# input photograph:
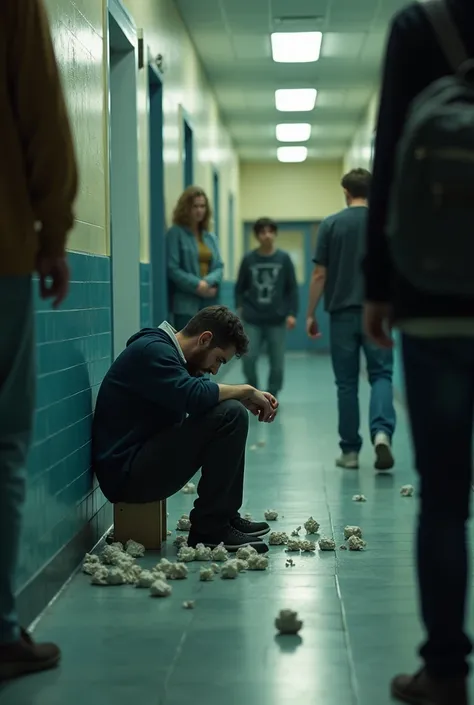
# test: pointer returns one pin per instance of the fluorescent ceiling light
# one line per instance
(295, 99)
(296, 47)
(292, 154)
(298, 132)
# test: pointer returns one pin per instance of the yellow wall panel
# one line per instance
(290, 192)
(78, 39)
(360, 151)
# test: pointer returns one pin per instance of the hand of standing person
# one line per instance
(202, 288)
(211, 292)
(378, 319)
(290, 322)
(54, 277)
(312, 328)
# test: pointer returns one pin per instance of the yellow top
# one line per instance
(38, 175)
(205, 257)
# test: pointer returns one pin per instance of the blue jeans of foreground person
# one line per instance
(275, 338)
(439, 380)
(17, 392)
(347, 342)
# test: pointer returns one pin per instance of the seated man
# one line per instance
(158, 419)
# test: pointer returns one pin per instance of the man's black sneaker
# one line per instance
(251, 528)
(230, 537)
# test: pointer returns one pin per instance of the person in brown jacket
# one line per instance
(38, 186)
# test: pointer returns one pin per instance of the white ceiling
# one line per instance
(232, 38)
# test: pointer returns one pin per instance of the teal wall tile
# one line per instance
(74, 346)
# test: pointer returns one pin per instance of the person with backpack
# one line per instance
(420, 246)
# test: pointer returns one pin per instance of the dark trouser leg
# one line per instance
(215, 443)
(345, 355)
(17, 392)
(276, 339)
(439, 376)
(382, 415)
(250, 360)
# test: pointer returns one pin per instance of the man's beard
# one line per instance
(196, 366)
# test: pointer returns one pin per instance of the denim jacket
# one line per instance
(183, 270)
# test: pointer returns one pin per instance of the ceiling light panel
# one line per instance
(292, 154)
(295, 99)
(296, 47)
(295, 132)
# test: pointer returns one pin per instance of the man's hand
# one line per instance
(378, 319)
(312, 328)
(290, 322)
(261, 404)
(53, 277)
(211, 292)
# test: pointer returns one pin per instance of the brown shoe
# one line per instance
(420, 689)
(24, 656)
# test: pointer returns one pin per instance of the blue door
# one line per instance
(159, 285)
(188, 161)
(216, 201)
(299, 240)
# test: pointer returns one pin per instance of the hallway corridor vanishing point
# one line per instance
(359, 609)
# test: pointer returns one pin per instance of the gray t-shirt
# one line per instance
(340, 248)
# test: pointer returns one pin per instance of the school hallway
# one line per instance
(359, 609)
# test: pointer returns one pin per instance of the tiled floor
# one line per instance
(359, 609)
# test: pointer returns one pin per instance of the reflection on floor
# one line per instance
(359, 609)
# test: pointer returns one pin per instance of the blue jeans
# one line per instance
(275, 338)
(17, 398)
(439, 380)
(347, 341)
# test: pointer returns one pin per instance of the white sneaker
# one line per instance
(384, 459)
(349, 461)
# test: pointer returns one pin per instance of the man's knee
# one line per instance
(233, 412)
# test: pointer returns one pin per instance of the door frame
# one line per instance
(123, 176)
(157, 234)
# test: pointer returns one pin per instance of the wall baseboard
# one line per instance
(36, 595)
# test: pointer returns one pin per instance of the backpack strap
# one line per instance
(446, 32)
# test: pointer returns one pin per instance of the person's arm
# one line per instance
(399, 86)
(161, 378)
(43, 123)
(241, 284)
(216, 270)
(318, 277)
(184, 281)
(239, 392)
(291, 288)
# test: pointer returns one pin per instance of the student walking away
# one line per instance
(159, 419)
(338, 275)
(195, 267)
(266, 294)
(38, 184)
(418, 278)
